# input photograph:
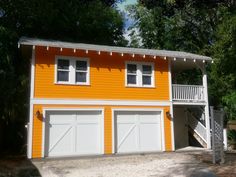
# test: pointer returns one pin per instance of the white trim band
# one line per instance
(188, 103)
(100, 102)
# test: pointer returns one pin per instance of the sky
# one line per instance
(121, 6)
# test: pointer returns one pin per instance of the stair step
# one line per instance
(197, 137)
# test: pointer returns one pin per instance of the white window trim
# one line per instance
(72, 70)
(139, 74)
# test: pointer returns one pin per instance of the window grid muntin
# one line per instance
(140, 74)
(72, 70)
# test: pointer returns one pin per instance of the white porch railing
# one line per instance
(189, 93)
(197, 127)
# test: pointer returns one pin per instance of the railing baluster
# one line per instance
(187, 92)
(178, 92)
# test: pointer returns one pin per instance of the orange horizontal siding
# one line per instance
(107, 77)
(37, 126)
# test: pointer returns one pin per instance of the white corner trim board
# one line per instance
(100, 102)
(30, 128)
(171, 105)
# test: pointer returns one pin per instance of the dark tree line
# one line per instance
(88, 21)
(205, 27)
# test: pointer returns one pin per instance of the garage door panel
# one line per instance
(153, 131)
(138, 131)
(73, 133)
(63, 118)
(88, 139)
(149, 118)
(88, 117)
(126, 118)
(126, 138)
(61, 139)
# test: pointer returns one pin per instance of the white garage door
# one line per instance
(138, 131)
(73, 133)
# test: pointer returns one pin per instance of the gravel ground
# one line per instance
(149, 165)
(176, 164)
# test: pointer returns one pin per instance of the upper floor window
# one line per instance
(70, 70)
(63, 70)
(81, 71)
(139, 74)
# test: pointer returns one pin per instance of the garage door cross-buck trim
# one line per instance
(68, 132)
(138, 130)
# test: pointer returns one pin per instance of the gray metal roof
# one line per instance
(138, 51)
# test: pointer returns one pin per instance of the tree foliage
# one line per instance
(88, 21)
(223, 74)
(205, 27)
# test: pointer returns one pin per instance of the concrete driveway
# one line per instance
(149, 165)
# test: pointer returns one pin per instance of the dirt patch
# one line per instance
(17, 166)
(176, 164)
(149, 165)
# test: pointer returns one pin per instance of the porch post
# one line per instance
(207, 114)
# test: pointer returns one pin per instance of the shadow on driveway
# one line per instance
(17, 166)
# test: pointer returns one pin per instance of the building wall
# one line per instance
(38, 122)
(181, 129)
(107, 77)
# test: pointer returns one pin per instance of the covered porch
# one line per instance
(190, 104)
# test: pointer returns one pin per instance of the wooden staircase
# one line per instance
(197, 130)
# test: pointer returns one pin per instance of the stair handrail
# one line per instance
(190, 112)
(199, 125)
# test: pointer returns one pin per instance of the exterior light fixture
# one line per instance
(47, 48)
(133, 55)
(74, 50)
(174, 59)
(165, 58)
(184, 59)
(86, 51)
(168, 114)
(99, 52)
(37, 114)
(154, 56)
(122, 54)
(61, 49)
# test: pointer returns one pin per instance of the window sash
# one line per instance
(130, 83)
(83, 69)
(140, 74)
(60, 78)
(72, 71)
(63, 61)
(135, 71)
(84, 80)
